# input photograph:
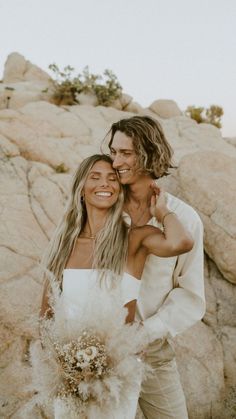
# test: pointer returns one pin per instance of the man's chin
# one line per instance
(125, 181)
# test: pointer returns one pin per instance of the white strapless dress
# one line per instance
(78, 287)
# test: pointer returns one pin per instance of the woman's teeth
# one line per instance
(103, 193)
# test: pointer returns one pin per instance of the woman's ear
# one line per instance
(82, 197)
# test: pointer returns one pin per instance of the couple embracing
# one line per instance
(122, 230)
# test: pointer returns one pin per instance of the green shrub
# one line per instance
(61, 168)
(211, 115)
(66, 86)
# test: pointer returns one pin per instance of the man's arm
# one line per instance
(185, 303)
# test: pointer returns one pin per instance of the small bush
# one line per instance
(66, 86)
(61, 168)
(211, 115)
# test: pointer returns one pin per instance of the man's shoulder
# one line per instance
(185, 212)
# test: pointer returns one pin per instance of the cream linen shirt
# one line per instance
(172, 294)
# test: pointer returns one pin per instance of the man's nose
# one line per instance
(117, 161)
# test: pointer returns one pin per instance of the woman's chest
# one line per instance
(82, 255)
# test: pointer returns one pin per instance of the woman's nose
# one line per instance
(104, 182)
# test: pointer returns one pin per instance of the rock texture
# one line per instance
(231, 140)
(165, 108)
(17, 68)
(40, 147)
(207, 182)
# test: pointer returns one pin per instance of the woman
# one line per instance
(93, 246)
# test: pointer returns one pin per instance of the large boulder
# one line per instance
(40, 147)
(165, 108)
(206, 180)
(17, 68)
(133, 107)
(200, 360)
(231, 140)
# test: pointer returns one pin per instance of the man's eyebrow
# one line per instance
(121, 149)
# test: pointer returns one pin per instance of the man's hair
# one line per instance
(153, 151)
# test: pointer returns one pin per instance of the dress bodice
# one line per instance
(80, 284)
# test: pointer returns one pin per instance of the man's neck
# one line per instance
(139, 193)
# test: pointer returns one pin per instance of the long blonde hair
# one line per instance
(111, 243)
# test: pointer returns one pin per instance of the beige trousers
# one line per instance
(162, 395)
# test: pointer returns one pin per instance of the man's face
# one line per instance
(124, 158)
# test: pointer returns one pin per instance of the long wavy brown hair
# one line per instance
(153, 151)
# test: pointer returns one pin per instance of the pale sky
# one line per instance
(183, 50)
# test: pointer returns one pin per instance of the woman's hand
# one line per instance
(158, 206)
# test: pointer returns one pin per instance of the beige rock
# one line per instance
(33, 190)
(19, 228)
(16, 95)
(8, 114)
(206, 182)
(165, 108)
(14, 379)
(116, 104)
(125, 100)
(133, 107)
(42, 190)
(18, 69)
(228, 337)
(19, 99)
(220, 316)
(88, 99)
(8, 149)
(149, 112)
(42, 110)
(18, 296)
(121, 102)
(94, 121)
(55, 149)
(231, 140)
(200, 361)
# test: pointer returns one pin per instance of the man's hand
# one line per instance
(158, 206)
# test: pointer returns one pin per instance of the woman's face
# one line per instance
(101, 188)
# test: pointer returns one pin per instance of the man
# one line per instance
(172, 290)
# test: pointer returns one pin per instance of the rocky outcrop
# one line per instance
(18, 69)
(206, 181)
(165, 108)
(40, 147)
(231, 140)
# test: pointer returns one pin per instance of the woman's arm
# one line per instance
(131, 306)
(175, 239)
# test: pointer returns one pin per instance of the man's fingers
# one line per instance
(155, 188)
(153, 201)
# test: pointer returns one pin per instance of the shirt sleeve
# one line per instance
(185, 303)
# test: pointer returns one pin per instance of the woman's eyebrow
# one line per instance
(94, 173)
(99, 173)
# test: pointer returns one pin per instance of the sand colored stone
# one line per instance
(206, 180)
(165, 108)
(40, 147)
